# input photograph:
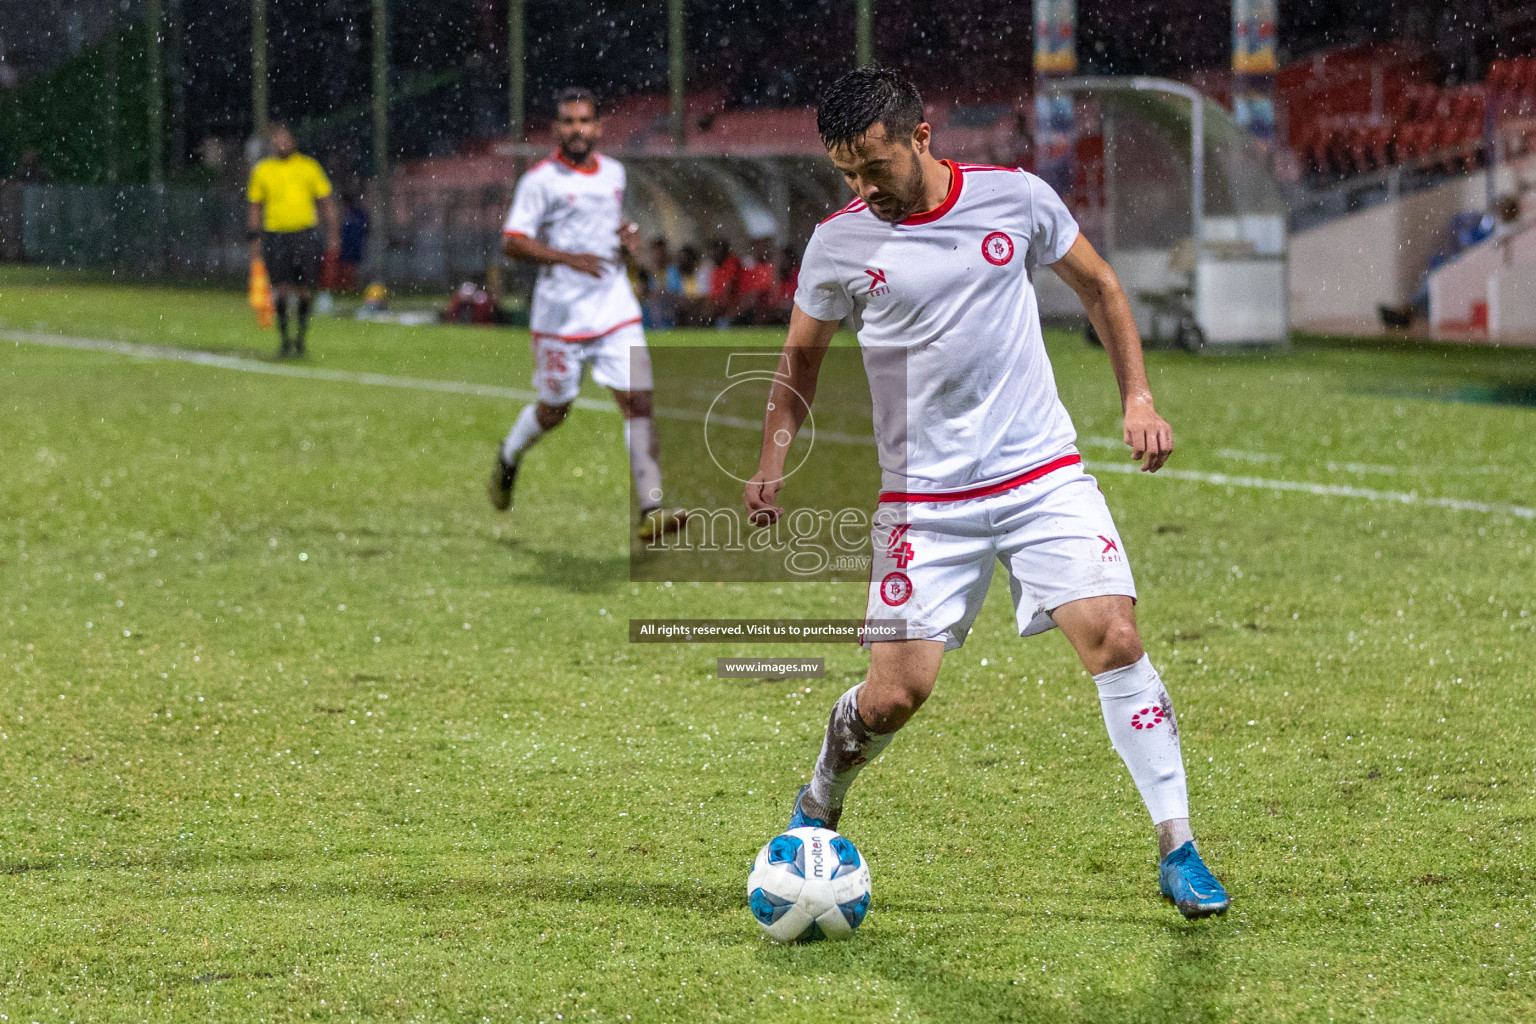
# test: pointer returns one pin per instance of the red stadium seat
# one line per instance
(1522, 77)
(1413, 140)
(1316, 150)
(1500, 73)
(1359, 151)
(1467, 103)
(1378, 144)
(1422, 101)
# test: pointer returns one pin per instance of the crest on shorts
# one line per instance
(895, 589)
(997, 248)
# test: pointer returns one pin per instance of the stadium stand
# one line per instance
(1364, 109)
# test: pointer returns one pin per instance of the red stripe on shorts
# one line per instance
(586, 337)
(981, 492)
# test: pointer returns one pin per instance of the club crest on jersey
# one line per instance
(877, 284)
(895, 589)
(997, 248)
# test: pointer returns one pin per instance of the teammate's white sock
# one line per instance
(644, 449)
(1142, 728)
(522, 435)
(849, 745)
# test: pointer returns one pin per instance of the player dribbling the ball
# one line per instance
(976, 450)
(566, 217)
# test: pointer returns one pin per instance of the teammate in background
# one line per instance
(976, 450)
(566, 217)
(288, 194)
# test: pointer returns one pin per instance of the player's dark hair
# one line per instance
(864, 96)
(575, 94)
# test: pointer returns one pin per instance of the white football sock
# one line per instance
(1142, 728)
(848, 747)
(644, 448)
(522, 435)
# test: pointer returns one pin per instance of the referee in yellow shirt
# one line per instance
(288, 193)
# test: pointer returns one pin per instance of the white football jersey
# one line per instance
(575, 210)
(964, 396)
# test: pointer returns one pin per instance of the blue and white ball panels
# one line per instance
(807, 884)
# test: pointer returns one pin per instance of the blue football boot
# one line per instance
(1189, 885)
(799, 819)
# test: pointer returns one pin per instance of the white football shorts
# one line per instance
(932, 561)
(618, 360)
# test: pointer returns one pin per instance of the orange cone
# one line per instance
(261, 294)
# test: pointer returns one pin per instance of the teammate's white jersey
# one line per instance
(575, 210)
(964, 396)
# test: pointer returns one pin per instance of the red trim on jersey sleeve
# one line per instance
(512, 232)
(957, 175)
(585, 337)
(990, 167)
(981, 492)
(559, 158)
(853, 207)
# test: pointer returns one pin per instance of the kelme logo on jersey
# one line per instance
(895, 589)
(877, 284)
(997, 248)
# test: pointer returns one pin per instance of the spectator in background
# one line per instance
(783, 299)
(658, 304)
(355, 227)
(693, 291)
(757, 284)
(724, 283)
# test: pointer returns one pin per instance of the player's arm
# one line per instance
(1148, 434)
(523, 247)
(530, 210)
(253, 228)
(256, 195)
(795, 379)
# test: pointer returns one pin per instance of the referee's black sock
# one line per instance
(282, 321)
(305, 302)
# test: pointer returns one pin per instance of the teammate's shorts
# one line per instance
(618, 359)
(1054, 535)
(293, 257)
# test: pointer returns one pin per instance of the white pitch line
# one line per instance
(456, 387)
(1326, 490)
(248, 365)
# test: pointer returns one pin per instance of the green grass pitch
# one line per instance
(294, 727)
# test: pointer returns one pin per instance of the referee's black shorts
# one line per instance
(293, 257)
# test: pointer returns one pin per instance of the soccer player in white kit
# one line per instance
(566, 217)
(976, 450)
